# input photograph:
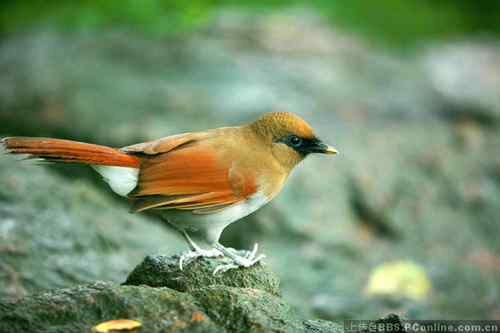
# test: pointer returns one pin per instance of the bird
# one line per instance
(198, 182)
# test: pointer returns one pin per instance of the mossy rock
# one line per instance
(79, 309)
(192, 300)
(247, 309)
(164, 271)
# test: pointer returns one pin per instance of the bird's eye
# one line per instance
(295, 141)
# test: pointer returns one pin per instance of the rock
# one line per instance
(79, 309)
(322, 326)
(240, 300)
(164, 271)
(389, 323)
(245, 300)
(248, 310)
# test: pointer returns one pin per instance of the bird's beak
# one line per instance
(330, 150)
(321, 148)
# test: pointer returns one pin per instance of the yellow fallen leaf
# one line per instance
(117, 326)
(400, 279)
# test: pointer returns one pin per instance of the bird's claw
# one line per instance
(242, 262)
(244, 253)
(251, 255)
(189, 256)
(237, 261)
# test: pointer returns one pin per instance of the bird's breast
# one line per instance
(209, 226)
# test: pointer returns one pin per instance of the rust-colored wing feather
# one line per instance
(188, 173)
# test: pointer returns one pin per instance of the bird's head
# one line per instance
(290, 137)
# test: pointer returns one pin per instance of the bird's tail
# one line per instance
(67, 151)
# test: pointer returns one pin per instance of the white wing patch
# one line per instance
(122, 180)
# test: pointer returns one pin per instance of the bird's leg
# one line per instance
(237, 261)
(196, 252)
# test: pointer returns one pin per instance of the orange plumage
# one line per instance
(190, 177)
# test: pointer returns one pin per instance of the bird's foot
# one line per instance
(241, 253)
(189, 256)
(236, 260)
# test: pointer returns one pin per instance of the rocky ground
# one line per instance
(165, 299)
(417, 181)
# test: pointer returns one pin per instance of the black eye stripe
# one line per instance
(302, 145)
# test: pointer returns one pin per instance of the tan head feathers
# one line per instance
(280, 124)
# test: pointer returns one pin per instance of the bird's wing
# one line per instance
(166, 144)
(187, 172)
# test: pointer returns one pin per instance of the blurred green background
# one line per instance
(396, 23)
(405, 219)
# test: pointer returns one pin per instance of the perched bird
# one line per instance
(199, 182)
